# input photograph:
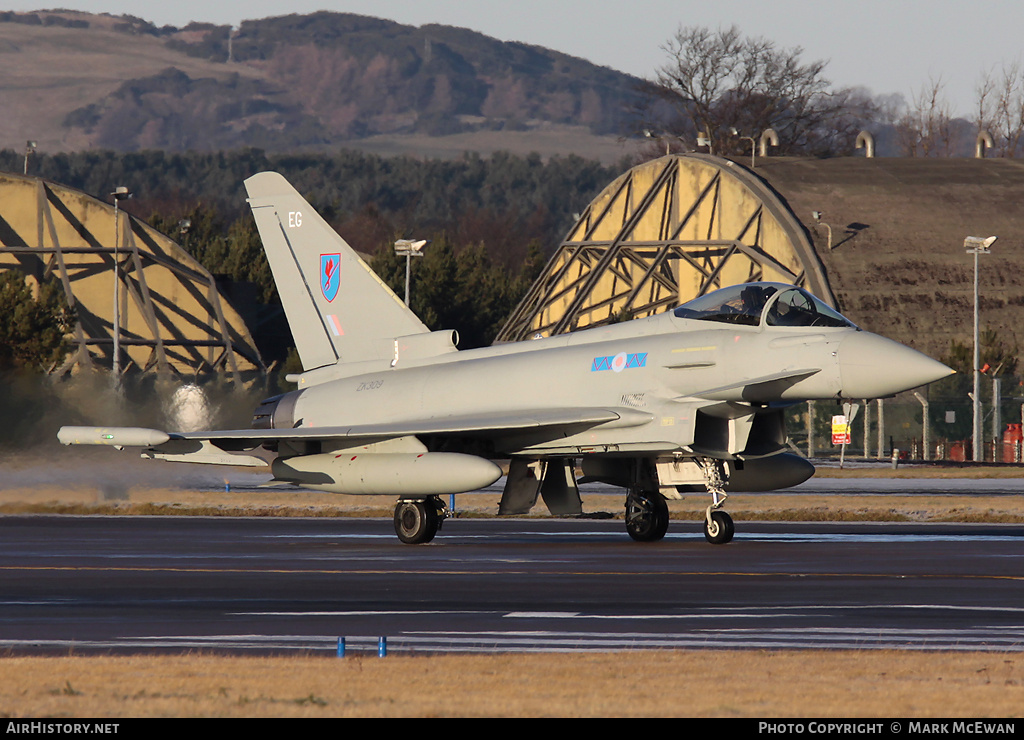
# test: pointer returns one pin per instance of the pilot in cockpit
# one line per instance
(754, 297)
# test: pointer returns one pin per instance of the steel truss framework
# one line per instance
(172, 316)
(665, 232)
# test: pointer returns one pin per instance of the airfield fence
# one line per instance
(944, 435)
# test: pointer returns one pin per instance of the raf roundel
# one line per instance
(618, 363)
(330, 275)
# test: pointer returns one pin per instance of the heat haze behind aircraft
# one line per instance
(691, 398)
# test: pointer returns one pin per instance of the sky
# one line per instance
(886, 46)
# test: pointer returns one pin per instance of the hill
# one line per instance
(313, 82)
(897, 263)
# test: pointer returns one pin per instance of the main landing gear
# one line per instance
(417, 520)
(646, 516)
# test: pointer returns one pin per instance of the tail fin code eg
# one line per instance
(337, 307)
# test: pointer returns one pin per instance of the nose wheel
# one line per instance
(718, 527)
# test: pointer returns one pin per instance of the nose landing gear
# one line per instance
(718, 525)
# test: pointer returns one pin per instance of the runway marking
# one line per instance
(755, 613)
(859, 538)
(364, 613)
(793, 610)
(505, 615)
(761, 612)
(530, 572)
(975, 640)
(696, 536)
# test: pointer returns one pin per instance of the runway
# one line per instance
(150, 584)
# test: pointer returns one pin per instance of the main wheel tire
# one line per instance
(646, 516)
(416, 522)
(720, 530)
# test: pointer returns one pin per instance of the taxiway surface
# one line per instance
(129, 584)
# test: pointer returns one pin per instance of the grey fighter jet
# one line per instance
(691, 399)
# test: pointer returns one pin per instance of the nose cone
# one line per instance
(872, 366)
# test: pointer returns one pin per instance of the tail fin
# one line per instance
(337, 307)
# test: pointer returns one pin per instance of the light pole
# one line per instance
(753, 144)
(409, 248)
(667, 138)
(977, 245)
(816, 215)
(651, 135)
(30, 149)
(120, 193)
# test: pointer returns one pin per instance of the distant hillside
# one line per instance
(76, 80)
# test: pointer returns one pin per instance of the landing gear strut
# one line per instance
(718, 525)
(646, 516)
(417, 520)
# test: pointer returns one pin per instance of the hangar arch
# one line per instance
(662, 233)
(173, 320)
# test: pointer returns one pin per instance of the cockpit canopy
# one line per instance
(774, 304)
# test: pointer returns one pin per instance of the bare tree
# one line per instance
(984, 113)
(1001, 108)
(716, 81)
(926, 128)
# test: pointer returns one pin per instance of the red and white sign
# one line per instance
(840, 430)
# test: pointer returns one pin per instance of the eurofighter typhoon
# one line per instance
(691, 399)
